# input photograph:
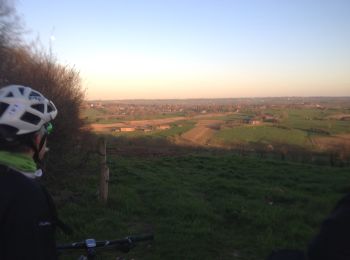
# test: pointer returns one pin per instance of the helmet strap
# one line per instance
(37, 149)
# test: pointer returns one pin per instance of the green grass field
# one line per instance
(295, 127)
(262, 134)
(312, 118)
(233, 116)
(90, 114)
(101, 116)
(176, 129)
(201, 206)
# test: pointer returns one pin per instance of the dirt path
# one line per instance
(155, 122)
(209, 122)
(203, 132)
(199, 135)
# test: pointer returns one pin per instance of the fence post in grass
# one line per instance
(104, 174)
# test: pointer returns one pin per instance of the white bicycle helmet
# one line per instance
(24, 109)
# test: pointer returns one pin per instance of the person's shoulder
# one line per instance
(22, 195)
(341, 211)
(344, 202)
(12, 182)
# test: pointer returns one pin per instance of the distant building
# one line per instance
(163, 127)
(269, 118)
(146, 128)
(127, 129)
(246, 120)
(255, 122)
(251, 121)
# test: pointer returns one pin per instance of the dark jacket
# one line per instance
(333, 240)
(27, 218)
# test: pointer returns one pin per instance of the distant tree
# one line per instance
(10, 27)
(10, 30)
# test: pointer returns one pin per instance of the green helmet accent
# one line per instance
(49, 128)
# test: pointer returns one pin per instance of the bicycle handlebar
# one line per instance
(122, 244)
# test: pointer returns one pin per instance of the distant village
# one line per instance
(118, 111)
(156, 109)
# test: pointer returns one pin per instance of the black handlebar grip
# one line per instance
(141, 238)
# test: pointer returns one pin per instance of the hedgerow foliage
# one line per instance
(25, 65)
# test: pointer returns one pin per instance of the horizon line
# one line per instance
(267, 97)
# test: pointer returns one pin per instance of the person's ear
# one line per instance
(37, 139)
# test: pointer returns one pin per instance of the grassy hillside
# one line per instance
(176, 129)
(298, 134)
(311, 118)
(263, 134)
(108, 116)
(201, 206)
(90, 114)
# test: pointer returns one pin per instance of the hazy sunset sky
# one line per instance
(128, 49)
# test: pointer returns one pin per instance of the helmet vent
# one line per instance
(39, 107)
(34, 94)
(3, 107)
(9, 94)
(30, 118)
(50, 108)
(21, 90)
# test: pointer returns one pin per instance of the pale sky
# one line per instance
(131, 49)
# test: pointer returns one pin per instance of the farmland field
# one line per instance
(182, 179)
(176, 130)
(198, 135)
(263, 134)
(308, 129)
(306, 119)
(201, 206)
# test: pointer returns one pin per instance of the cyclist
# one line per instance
(27, 214)
(333, 240)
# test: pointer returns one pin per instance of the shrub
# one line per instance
(23, 65)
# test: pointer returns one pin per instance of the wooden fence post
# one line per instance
(104, 174)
